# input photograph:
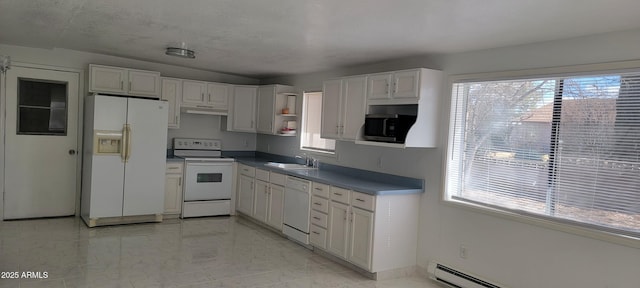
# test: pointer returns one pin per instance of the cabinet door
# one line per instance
(144, 83)
(353, 99)
(193, 92)
(338, 229)
(243, 112)
(172, 93)
(378, 86)
(260, 201)
(406, 84)
(276, 206)
(173, 194)
(331, 108)
(107, 79)
(218, 94)
(245, 194)
(361, 238)
(266, 98)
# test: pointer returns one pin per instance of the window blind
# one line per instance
(565, 148)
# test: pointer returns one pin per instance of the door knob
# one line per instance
(72, 152)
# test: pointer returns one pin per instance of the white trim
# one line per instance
(574, 70)
(81, 94)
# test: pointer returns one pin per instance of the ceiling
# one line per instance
(263, 38)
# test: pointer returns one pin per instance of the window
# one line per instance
(42, 107)
(565, 149)
(311, 122)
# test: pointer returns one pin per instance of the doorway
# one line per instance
(41, 143)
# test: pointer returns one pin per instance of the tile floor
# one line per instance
(204, 252)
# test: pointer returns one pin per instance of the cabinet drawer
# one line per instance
(364, 201)
(247, 170)
(318, 218)
(174, 168)
(319, 204)
(277, 178)
(320, 189)
(318, 236)
(262, 175)
(339, 195)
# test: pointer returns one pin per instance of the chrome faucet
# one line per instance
(308, 160)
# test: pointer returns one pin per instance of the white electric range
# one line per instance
(208, 177)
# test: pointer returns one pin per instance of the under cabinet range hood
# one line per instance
(204, 110)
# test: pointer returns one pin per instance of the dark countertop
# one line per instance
(368, 182)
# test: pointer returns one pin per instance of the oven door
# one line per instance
(208, 181)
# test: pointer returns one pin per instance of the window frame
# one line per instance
(569, 226)
(303, 126)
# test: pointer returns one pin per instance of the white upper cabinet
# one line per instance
(218, 94)
(172, 93)
(206, 97)
(123, 81)
(273, 100)
(343, 107)
(193, 92)
(395, 88)
(242, 113)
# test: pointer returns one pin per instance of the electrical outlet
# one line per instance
(463, 252)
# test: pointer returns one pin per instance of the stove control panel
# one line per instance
(196, 144)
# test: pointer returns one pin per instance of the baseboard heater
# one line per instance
(456, 279)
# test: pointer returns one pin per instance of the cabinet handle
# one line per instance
(336, 193)
(358, 199)
(176, 120)
(129, 85)
(314, 232)
(121, 85)
(174, 168)
(316, 203)
(180, 181)
(386, 90)
(351, 217)
(317, 218)
(345, 215)
(209, 97)
(318, 188)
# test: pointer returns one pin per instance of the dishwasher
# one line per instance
(297, 203)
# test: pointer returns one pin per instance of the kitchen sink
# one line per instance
(289, 166)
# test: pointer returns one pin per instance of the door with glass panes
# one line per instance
(40, 143)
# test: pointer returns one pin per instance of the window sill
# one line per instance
(614, 238)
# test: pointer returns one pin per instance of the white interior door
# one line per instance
(40, 143)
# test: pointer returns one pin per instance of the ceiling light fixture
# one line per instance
(181, 52)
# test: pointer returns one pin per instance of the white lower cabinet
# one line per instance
(261, 195)
(355, 232)
(338, 229)
(173, 189)
(319, 217)
(261, 201)
(275, 206)
(361, 236)
(245, 194)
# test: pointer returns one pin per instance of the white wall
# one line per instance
(208, 126)
(190, 126)
(510, 252)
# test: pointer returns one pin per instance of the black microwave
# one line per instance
(392, 128)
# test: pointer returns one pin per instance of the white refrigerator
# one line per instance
(124, 160)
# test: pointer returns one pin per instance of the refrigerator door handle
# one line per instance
(123, 144)
(128, 131)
